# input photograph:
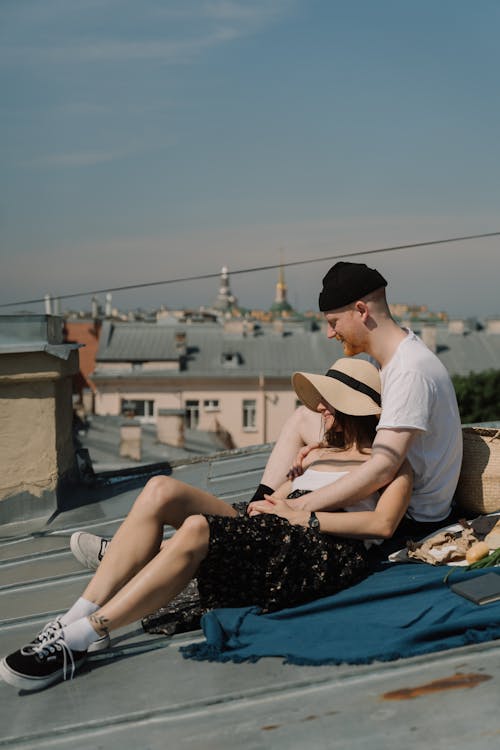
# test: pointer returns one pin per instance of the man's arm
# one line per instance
(388, 453)
(379, 523)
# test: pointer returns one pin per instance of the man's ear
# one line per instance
(362, 308)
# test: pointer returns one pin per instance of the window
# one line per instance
(232, 359)
(192, 417)
(249, 414)
(138, 408)
(211, 404)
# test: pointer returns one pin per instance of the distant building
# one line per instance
(415, 312)
(232, 379)
(84, 332)
(235, 378)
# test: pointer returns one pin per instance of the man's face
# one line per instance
(345, 325)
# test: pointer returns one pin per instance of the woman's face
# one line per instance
(327, 414)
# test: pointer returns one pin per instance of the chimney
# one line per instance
(493, 326)
(428, 334)
(95, 308)
(180, 343)
(234, 326)
(48, 305)
(456, 325)
(108, 310)
(130, 440)
(170, 427)
(88, 400)
(37, 458)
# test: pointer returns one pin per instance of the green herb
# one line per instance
(485, 562)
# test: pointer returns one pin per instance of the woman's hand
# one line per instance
(297, 468)
(278, 507)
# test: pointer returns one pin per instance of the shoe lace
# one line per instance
(57, 643)
(51, 630)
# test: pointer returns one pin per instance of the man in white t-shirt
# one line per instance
(419, 420)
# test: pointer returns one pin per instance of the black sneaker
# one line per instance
(53, 629)
(47, 633)
(37, 666)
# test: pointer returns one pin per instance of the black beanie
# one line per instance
(347, 282)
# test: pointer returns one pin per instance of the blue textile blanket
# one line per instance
(401, 610)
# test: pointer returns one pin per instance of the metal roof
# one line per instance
(269, 352)
(208, 347)
(136, 341)
(473, 351)
(102, 440)
(143, 694)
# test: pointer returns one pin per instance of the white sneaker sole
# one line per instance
(32, 683)
(102, 644)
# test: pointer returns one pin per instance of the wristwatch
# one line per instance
(313, 522)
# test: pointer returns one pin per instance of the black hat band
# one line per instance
(356, 385)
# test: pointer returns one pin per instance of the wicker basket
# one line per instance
(478, 489)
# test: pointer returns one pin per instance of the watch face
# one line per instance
(313, 522)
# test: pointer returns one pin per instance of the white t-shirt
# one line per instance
(417, 394)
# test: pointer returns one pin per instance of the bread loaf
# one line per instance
(476, 552)
(493, 538)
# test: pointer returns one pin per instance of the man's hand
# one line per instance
(281, 508)
(297, 468)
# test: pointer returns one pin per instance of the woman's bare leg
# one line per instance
(160, 580)
(302, 428)
(163, 501)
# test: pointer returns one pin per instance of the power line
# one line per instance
(255, 269)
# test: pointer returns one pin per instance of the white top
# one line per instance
(312, 479)
(417, 394)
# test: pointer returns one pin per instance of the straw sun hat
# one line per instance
(351, 386)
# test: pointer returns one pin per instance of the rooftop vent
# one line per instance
(231, 359)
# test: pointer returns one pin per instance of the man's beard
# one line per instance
(350, 350)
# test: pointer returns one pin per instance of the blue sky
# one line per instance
(151, 140)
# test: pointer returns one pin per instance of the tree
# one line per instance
(478, 396)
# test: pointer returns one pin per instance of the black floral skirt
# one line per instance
(265, 561)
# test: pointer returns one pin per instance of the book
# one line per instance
(480, 590)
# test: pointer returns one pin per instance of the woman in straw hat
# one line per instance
(264, 553)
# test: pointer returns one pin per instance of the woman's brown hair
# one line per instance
(348, 430)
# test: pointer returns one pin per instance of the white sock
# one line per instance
(80, 634)
(81, 608)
